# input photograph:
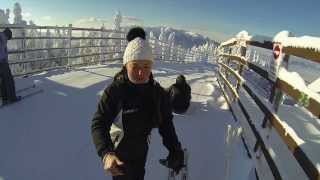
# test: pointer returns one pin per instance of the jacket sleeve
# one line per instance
(107, 110)
(166, 127)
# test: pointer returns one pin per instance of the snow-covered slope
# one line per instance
(184, 38)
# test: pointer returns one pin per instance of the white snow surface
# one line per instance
(284, 37)
(297, 82)
(315, 86)
(193, 34)
(230, 41)
(310, 42)
(47, 136)
(298, 123)
(243, 35)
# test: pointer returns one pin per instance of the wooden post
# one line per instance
(101, 44)
(228, 64)
(69, 45)
(243, 51)
(276, 95)
(24, 43)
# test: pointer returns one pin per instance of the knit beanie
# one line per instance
(138, 47)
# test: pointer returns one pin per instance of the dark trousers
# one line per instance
(133, 153)
(8, 90)
(133, 170)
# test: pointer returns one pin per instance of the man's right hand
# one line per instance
(111, 164)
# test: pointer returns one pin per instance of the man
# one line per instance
(130, 107)
(7, 86)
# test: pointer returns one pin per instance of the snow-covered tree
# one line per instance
(19, 44)
(154, 44)
(117, 19)
(103, 42)
(151, 35)
(4, 16)
(92, 50)
(7, 16)
(17, 11)
(49, 44)
(59, 52)
(83, 43)
(171, 38)
(115, 43)
(162, 44)
(162, 36)
(171, 51)
(31, 43)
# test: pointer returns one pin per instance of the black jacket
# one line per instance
(143, 107)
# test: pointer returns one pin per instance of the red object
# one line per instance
(276, 51)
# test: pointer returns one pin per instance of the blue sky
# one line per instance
(214, 18)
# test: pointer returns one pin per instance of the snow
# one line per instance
(297, 82)
(315, 86)
(287, 164)
(307, 42)
(308, 70)
(304, 126)
(193, 34)
(283, 37)
(230, 41)
(47, 136)
(243, 35)
(297, 121)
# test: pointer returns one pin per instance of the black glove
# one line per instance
(175, 160)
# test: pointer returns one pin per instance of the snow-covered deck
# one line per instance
(47, 136)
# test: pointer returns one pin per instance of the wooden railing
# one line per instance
(235, 88)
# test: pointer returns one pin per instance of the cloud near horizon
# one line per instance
(205, 31)
(93, 22)
(47, 18)
(131, 20)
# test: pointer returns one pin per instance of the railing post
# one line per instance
(228, 64)
(276, 96)
(69, 45)
(24, 46)
(101, 44)
(243, 50)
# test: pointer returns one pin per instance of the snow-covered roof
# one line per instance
(307, 42)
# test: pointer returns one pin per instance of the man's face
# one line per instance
(139, 71)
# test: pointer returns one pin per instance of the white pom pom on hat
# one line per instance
(137, 49)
